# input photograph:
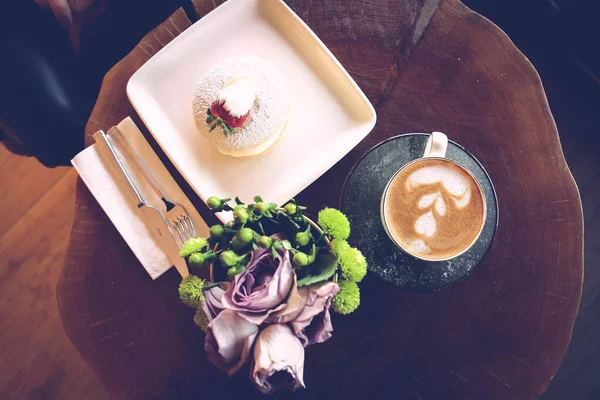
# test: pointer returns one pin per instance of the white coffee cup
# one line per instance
(433, 208)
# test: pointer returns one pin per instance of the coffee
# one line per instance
(434, 209)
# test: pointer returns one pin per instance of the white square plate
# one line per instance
(329, 114)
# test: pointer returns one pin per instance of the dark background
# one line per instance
(560, 37)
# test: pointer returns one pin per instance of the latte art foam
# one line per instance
(434, 209)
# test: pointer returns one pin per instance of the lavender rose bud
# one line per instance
(212, 304)
(229, 339)
(313, 324)
(267, 288)
(278, 360)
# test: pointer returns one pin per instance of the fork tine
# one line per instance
(183, 228)
(179, 231)
(177, 237)
(187, 220)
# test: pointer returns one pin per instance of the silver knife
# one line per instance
(170, 240)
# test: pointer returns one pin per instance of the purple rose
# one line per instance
(311, 322)
(266, 289)
(278, 360)
(229, 339)
(212, 304)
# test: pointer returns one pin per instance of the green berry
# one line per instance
(245, 235)
(240, 214)
(228, 258)
(197, 259)
(300, 259)
(290, 208)
(236, 243)
(302, 238)
(217, 231)
(261, 207)
(265, 242)
(233, 271)
(213, 202)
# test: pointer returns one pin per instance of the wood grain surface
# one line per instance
(426, 65)
(38, 361)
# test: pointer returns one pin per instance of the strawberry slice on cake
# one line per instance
(233, 105)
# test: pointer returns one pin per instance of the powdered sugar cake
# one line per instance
(162, 91)
(267, 115)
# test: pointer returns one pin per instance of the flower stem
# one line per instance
(320, 237)
(211, 285)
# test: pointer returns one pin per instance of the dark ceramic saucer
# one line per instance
(360, 201)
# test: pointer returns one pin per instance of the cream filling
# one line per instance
(255, 150)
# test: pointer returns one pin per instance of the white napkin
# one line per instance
(108, 185)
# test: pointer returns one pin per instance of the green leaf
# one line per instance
(277, 245)
(208, 112)
(238, 201)
(260, 227)
(254, 246)
(321, 269)
(213, 126)
(274, 252)
(257, 199)
(286, 244)
(209, 120)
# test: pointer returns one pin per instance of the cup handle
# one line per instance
(436, 145)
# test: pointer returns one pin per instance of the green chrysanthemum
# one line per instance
(190, 291)
(338, 246)
(334, 223)
(192, 245)
(348, 299)
(201, 319)
(353, 264)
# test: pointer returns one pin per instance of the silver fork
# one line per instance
(177, 219)
(180, 223)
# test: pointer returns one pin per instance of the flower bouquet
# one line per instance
(272, 275)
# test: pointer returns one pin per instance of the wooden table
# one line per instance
(426, 65)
